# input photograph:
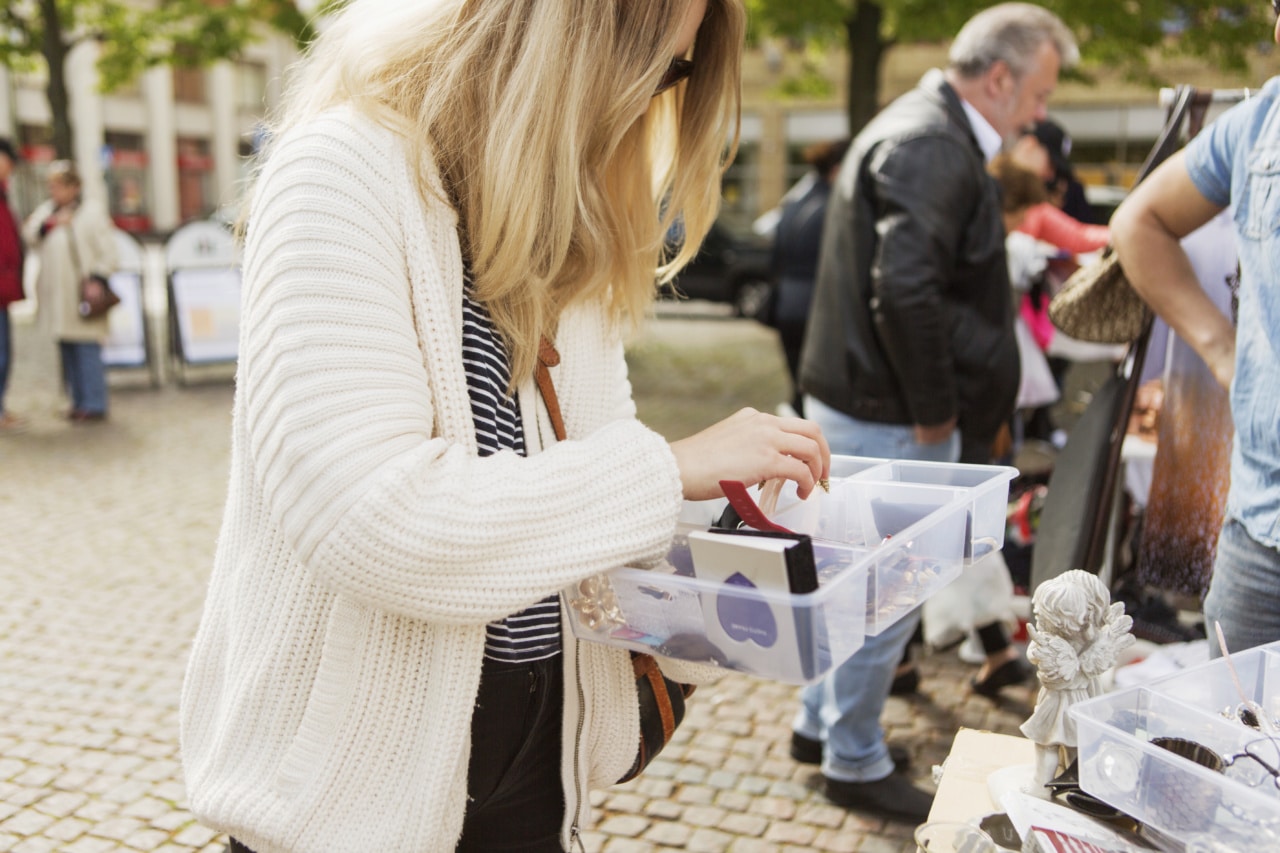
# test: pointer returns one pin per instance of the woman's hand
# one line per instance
(752, 446)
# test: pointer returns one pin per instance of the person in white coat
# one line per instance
(383, 661)
(72, 237)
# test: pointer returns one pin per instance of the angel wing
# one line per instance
(1054, 658)
(1111, 640)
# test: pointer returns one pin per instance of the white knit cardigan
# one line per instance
(365, 545)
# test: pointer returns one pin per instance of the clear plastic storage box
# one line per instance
(886, 537)
(1187, 756)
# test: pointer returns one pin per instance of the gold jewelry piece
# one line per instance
(597, 604)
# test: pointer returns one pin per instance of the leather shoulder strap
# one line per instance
(548, 357)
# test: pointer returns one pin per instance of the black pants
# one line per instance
(515, 802)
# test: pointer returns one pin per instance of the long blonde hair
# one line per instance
(537, 116)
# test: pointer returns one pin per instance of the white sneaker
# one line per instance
(970, 650)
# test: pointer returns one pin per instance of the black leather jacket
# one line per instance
(912, 320)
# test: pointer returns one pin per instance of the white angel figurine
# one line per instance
(1078, 635)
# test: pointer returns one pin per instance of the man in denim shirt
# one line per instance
(1234, 163)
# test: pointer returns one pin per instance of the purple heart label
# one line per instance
(745, 620)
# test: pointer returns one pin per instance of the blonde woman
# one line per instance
(383, 662)
(72, 237)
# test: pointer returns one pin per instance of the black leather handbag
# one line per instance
(96, 295)
(661, 699)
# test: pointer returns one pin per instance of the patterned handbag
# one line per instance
(1097, 303)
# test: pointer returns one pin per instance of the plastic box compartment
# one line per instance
(1118, 763)
(923, 536)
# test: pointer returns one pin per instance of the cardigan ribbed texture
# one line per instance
(365, 544)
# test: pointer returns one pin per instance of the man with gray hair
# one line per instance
(910, 351)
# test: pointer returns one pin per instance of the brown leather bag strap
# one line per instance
(548, 357)
(646, 667)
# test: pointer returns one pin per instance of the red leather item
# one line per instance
(746, 508)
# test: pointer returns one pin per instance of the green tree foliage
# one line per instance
(1121, 34)
(133, 35)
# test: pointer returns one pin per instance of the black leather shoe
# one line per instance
(806, 750)
(1008, 673)
(893, 797)
(906, 684)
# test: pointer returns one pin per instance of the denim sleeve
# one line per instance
(1211, 155)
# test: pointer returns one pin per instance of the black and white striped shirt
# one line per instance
(532, 634)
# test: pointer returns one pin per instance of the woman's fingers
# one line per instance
(752, 446)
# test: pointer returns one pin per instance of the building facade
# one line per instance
(177, 144)
(173, 147)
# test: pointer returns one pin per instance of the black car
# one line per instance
(733, 266)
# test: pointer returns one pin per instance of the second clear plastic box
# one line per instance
(889, 535)
(1238, 807)
(986, 489)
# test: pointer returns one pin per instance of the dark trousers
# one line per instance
(515, 801)
(6, 353)
(85, 375)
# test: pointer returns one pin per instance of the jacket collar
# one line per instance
(934, 84)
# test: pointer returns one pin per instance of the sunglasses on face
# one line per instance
(1275, 7)
(679, 69)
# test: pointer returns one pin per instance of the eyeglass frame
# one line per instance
(680, 69)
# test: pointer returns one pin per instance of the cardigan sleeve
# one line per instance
(343, 431)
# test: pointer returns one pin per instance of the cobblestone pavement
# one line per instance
(109, 538)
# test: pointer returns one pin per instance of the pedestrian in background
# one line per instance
(382, 662)
(795, 256)
(10, 281)
(72, 238)
(910, 349)
(1228, 165)
(1066, 192)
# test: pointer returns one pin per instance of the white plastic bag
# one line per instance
(1037, 387)
(981, 595)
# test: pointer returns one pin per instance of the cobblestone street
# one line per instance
(110, 535)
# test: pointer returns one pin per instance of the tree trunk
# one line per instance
(866, 50)
(55, 55)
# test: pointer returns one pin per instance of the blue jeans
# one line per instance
(6, 353)
(843, 710)
(1244, 594)
(85, 375)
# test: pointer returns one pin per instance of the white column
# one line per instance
(8, 106)
(225, 144)
(87, 120)
(162, 147)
